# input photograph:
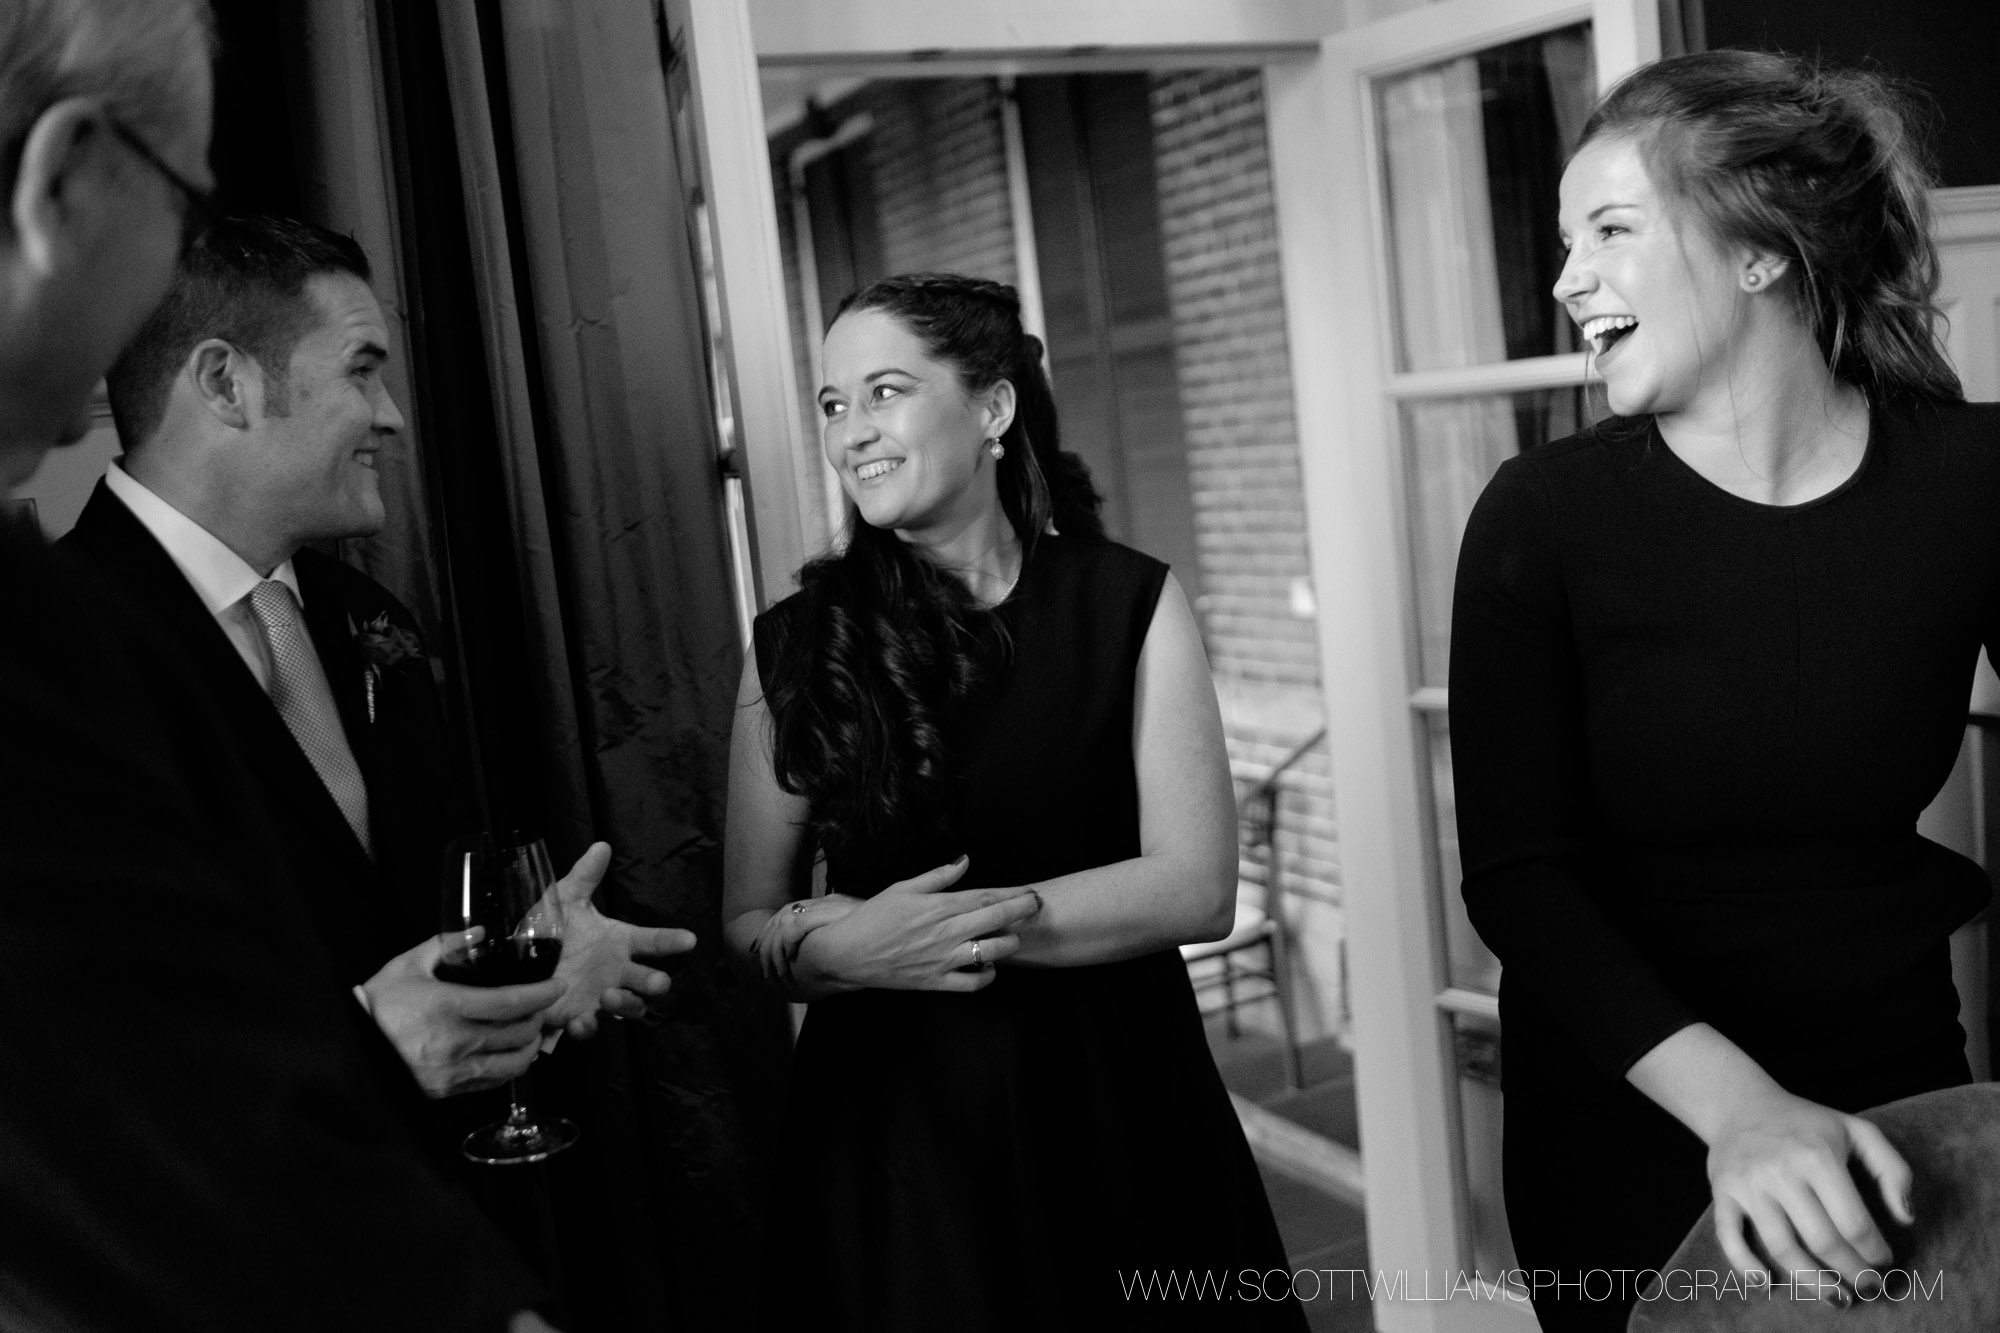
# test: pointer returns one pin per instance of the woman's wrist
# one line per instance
(816, 971)
(1754, 1099)
(741, 933)
(1708, 1083)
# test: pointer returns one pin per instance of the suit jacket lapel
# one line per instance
(109, 533)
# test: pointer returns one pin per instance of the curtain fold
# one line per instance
(346, 182)
(574, 516)
(561, 790)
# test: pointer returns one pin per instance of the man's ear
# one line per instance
(222, 377)
(66, 167)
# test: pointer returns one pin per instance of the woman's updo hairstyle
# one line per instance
(974, 326)
(1823, 167)
(881, 646)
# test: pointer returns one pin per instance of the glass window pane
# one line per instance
(1477, 1042)
(1451, 448)
(1469, 964)
(1472, 151)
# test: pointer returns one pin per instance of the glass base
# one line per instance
(508, 1143)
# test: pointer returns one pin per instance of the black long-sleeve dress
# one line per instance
(1691, 736)
(1014, 1158)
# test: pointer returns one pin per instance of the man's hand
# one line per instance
(598, 970)
(456, 1038)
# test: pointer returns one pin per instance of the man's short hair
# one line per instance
(133, 54)
(244, 282)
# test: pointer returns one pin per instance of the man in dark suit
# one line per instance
(194, 1133)
(252, 406)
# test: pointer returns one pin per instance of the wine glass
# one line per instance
(505, 889)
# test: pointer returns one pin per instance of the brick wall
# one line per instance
(938, 163)
(1219, 224)
(939, 168)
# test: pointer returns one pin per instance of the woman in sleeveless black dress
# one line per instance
(1710, 659)
(1004, 1114)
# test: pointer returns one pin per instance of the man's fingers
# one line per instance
(481, 1068)
(643, 980)
(492, 1070)
(588, 872)
(506, 1004)
(943, 877)
(483, 1039)
(583, 1027)
(622, 1003)
(425, 956)
(660, 941)
(1881, 1160)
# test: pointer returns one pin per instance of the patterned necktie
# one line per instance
(299, 690)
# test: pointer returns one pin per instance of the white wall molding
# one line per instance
(806, 31)
(1967, 214)
(1968, 235)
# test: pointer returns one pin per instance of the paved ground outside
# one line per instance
(1321, 1231)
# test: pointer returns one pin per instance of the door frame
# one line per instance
(1320, 129)
(1335, 259)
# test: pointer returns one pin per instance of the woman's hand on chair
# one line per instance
(1781, 1164)
(916, 936)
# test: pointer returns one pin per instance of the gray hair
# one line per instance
(133, 54)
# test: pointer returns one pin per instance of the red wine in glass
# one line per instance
(504, 889)
(508, 962)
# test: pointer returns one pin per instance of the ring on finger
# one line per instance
(978, 963)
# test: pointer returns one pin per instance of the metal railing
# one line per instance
(1257, 824)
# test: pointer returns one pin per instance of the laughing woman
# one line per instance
(1000, 730)
(1710, 658)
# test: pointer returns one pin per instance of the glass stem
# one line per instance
(517, 1110)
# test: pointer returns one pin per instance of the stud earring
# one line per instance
(1753, 280)
(997, 449)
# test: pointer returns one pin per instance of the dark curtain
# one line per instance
(253, 150)
(606, 451)
(557, 523)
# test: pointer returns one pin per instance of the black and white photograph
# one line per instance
(966, 666)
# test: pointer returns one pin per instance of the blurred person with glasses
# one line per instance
(195, 1113)
(197, 202)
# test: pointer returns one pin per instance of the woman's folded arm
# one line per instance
(1181, 888)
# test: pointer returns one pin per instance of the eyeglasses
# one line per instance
(197, 206)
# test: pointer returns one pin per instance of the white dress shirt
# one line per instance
(219, 575)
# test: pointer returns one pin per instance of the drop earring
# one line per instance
(997, 449)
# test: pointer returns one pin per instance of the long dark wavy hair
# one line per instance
(885, 646)
(1824, 167)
